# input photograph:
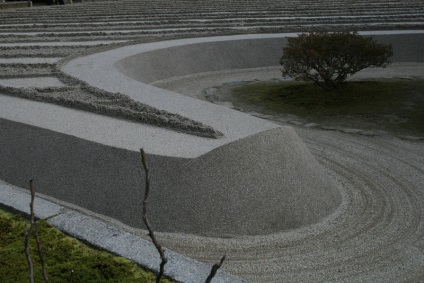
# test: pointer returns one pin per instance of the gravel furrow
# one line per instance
(41, 51)
(218, 23)
(26, 70)
(377, 234)
(380, 219)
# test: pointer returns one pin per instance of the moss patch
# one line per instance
(391, 105)
(62, 255)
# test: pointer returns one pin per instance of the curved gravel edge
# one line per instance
(376, 235)
(93, 100)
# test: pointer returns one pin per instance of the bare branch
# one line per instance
(159, 248)
(31, 205)
(28, 233)
(215, 268)
(28, 257)
(40, 254)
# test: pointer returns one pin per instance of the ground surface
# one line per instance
(389, 106)
(29, 50)
(382, 177)
(377, 235)
(65, 257)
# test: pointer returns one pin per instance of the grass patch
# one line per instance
(392, 105)
(62, 254)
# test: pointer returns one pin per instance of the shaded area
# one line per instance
(258, 185)
(394, 105)
(65, 257)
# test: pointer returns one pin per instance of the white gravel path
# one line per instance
(72, 43)
(32, 82)
(29, 60)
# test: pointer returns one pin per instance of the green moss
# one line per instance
(392, 105)
(62, 255)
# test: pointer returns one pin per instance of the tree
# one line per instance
(328, 58)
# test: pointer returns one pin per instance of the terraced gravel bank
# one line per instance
(376, 235)
(72, 30)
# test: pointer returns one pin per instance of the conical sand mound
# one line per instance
(264, 183)
(258, 185)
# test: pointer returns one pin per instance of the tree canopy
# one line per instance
(327, 59)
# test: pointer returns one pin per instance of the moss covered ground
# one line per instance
(395, 106)
(67, 259)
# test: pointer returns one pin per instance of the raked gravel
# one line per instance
(377, 234)
(32, 82)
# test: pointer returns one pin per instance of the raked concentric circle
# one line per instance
(377, 234)
(373, 233)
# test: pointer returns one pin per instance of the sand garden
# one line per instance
(84, 86)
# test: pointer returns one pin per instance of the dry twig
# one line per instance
(28, 256)
(28, 233)
(215, 268)
(164, 260)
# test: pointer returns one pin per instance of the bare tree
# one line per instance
(159, 248)
(28, 257)
(215, 268)
(33, 230)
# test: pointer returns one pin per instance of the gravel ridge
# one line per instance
(145, 21)
(376, 235)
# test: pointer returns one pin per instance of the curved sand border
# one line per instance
(130, 69)
(212, 194)
(274, 255)
(231, 189)
(376, 235)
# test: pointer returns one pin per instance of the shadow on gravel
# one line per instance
(395, 106)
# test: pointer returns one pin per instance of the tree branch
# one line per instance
(215, 268)
(40, 254)
(28, 233)
(159, 248)
(28, 257)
